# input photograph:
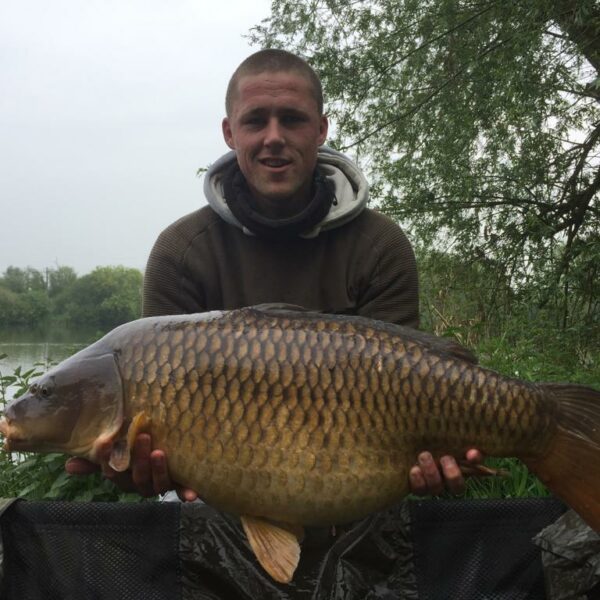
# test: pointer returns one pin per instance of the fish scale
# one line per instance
(259, 386)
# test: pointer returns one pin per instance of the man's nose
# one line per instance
(274, 133)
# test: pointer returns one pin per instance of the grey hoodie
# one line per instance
(351, 190)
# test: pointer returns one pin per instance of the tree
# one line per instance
(23, 298)
(20, 281)
(106, 297)
(479, 122)
(9, 311)
(60, 279)
(29, 308)
(465, 298)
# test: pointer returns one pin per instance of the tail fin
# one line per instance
(571, 465)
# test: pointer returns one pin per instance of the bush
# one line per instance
(105, 298)
(28, 308)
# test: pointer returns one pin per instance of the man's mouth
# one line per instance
(275, 163)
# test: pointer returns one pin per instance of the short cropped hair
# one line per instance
(273, 60)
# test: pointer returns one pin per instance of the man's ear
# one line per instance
(227, 134)
(323, 128)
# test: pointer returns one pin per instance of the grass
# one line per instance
(518, 483)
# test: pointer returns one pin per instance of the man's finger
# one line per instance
(431, 473)
(80, 466)
(185, 494)
(474, 456)
(141, 469)
(139, 478)
(161, 480)
(418, 485)
(453, 477)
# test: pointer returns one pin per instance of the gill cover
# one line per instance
(69, 409)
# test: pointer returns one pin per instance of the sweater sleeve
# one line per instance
(390, 286)
(167, 290)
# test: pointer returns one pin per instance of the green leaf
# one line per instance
(28, 489)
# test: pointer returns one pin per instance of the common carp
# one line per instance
(290, 418)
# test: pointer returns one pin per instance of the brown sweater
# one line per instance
(365, 267)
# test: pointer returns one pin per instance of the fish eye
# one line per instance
(45, 390)
(33, 388)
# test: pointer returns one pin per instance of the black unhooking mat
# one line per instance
(421, 550)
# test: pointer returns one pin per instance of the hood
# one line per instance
(351, 190)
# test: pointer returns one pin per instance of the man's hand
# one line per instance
(426, 478)
(148, 475)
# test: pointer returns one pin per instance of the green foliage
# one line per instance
(475, 301)
(23, 297)
(43, 477)
(469, 299)
(60, 280)
(478, 123)
(20, 281)
(102, 299)
(106, 297)
(27, 308)
(8, 306)
(517, 483)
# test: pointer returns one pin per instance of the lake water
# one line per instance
(39, 348)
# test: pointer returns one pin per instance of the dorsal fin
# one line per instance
(281, 306)
(442, 344)
(433, 342)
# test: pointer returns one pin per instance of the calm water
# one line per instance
(28, 349)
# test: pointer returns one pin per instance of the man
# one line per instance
(286, 222)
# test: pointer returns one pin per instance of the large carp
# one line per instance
(291, 418)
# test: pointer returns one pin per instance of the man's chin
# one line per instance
(275, 192)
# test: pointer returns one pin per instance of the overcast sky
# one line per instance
(107, 109)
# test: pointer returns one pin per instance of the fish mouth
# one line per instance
(11, 439)
(6, 434)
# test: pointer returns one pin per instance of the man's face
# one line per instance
(275, 128)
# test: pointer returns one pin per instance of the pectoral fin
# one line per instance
(276, 546)
(120, 456)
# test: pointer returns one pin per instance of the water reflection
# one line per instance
(29, 348)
